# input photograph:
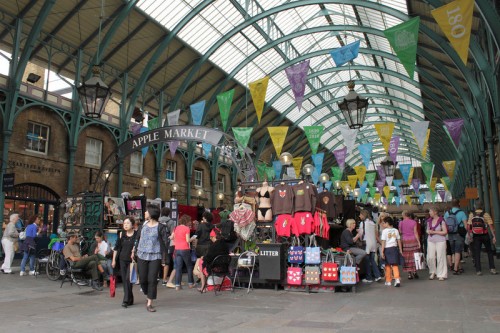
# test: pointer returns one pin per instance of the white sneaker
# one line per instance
(397, 283)
(33, 273)
(388, 284)
(378, 279)
(22, 273)
(366, 281)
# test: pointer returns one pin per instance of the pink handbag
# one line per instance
(294, 276)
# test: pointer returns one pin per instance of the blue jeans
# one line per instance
(371, 267)
(183, 257)
(25, 259)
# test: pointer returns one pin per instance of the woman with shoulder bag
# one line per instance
(122, 259)
(9, 239)
(151, 250)
(29, 246)
(411, 244)
(436, 245)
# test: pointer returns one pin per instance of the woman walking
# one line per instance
(122, 258)
(436, 245)
(182, 252)
(9, 237)
(151, 250)
(411, 244)
(368, 231)
(29, 246)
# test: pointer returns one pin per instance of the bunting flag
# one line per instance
(349, 136)
(408, 199)
(153, 123)
(242, 135)
(393, 148)
(449, 167)
(277, 168)
(405, 171)
(441, 194)
(365, 150)
(387, 190)
(381, 173)
(270, 173)
(258, 91)
(380, 185)
(428, 169)
(337, 173)
(297, 165)
(415, 183)
(455, 19)
(434, 181)
(410, 177)
(173, 120)
(391, 197)
(433, 196)
(278, 135)
(454, 129)
(145, 149)
(389, 180)
(261, 170)
(404, 39)
(353, 179)
(313, 134)
(360, 172)
(318, 161)
(328, 185)
(426, 143)
(373, 191)
(362, 188)
(346, 53)
(225, 100)
(421, 198)
(315, 176)
(297, 76)
(397, 185)
(446, 183)
(207, 147)
(364, 199)
(340, 155)
(197, 111)
(370, 177)
(135, 128)
(377, 197)
(384, 132)
(419, 130)
(344, 184)
(397, 200)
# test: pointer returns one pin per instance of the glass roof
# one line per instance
(216, 22)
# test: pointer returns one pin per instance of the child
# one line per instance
(391, 242)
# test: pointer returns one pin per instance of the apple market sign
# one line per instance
(170, 133)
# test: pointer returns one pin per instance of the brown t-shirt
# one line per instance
(71, 251)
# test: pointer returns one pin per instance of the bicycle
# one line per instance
(52, 268)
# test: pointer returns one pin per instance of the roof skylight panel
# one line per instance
(169, 17)
(249, 74)
(228, 64)
(268, 60)
(294, 115)
(199, 34)
(284, 102)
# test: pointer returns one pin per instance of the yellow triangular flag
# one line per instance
(444, 185)
(408, 199)
(258, 91)
(360, 172)
(426, 143)
(384, 131)
(278, 135)
(344, 184)
(434, 181)
(387, 191)
(297, 165)
(352, 181)
(410, 177)
(449, 167)
(455, 19)
(377, 196)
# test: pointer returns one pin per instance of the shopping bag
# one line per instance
(295, 253)
(112, 285)
(313, 255)
(312, 274)
(419, 261)
(329, 269)
(294, 275)
(348, 271)
(133, 272)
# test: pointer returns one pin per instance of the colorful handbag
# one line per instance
(312, 275)
(330, 270)
(313, 253)
(295, 253)
(294, 275)
(348, 271)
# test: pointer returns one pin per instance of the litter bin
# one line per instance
(272, 261)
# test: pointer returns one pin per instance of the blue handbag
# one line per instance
(295, 253)
(133, 272)
(313, 253)
(348, 271)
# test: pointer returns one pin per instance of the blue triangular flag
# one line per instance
(197, 110)
(346, 53)
(405, 171)
(365, 150)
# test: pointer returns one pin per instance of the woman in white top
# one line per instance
(10, 236)
(103, 249)
(367, 228)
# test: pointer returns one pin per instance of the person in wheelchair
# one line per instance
(218, 247)
(90, 264)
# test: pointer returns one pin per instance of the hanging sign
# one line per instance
(404, 39)
(207, 147)
(153, 123)
(297, 76)
(380, 185)
(173, 120)
(387, 190)
(258, 91)
(8, 182)
(389, 180)
(446, 183)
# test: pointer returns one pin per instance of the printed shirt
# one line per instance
(486, 216)
(149, 244)
(282, 199)
(390, 236)
(305, 197)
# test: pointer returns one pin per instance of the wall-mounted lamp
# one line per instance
(33, 78)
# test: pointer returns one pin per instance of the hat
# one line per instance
(213, 233)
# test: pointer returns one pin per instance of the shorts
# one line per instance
(456, 243)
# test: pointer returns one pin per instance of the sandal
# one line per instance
(410, 276)
(415, 275)
(202, 290)
(456, 272)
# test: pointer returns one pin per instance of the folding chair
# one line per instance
(246, 261)
(219, 267)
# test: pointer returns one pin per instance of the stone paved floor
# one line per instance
(465, 303)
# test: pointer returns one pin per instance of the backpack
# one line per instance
(451, 222)
(479, 224)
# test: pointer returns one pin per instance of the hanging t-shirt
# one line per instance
(304, 197)
(283, 225)
(327, 203)
(282, 199)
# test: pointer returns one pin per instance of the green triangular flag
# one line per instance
(153, 123)
(364, 198)
(337, 173)
(370, 178)
(373, 190)
(404, 39)
(391, 196)
(225, 100)
(242, 135)
(447, 182)
(270, 173)
(313, 134)
(428, 169)
(261, 170)
(433, 192)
